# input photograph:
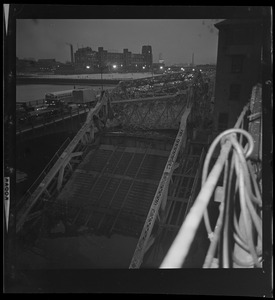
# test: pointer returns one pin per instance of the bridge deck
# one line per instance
(112, 186)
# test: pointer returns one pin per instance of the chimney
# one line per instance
(72, 54)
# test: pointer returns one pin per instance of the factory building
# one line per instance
(148, 56)
(85, 57)
(105, 61)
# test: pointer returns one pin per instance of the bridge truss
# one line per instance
(173, 109)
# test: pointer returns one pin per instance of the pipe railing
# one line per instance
(239, 189)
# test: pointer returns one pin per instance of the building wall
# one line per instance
(102, 59)
(148, 56)
(238, 69)
(85, 57)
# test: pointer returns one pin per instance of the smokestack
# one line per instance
(72, 54)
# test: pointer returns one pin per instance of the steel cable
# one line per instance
(242, 195)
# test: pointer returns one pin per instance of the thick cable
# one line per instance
(208, 159)
(255, 218)
(237, 229)
(252, 211)
(181, 245)
(213, 245)
(225, 241)
(245, 212)
(241, 263)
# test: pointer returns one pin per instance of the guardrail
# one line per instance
(240, 188)
(195, 184)
(56, 172)
(42, 175)
(45, 121)
(160, 197)
(32, 102)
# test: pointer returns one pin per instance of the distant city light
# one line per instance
(169, 69)
(121, 65)
(200, 69)
(136, 65)
(193, 69)
(87, 67)
(114, 66)
(182, 69)
(161, 67)
(143, 67)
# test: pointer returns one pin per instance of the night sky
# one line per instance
(173, 39)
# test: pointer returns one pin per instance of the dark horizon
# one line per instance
(174, 32)
(175, 41)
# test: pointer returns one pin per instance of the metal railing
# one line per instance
(195, 184)
(32, 102)
(160, 197)
(240, 207)
(44, 121)
(70, 151)
(42, 175)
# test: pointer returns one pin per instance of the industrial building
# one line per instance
(85, 57)
(105, 61)
(87, 60)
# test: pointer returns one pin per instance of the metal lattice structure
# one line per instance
(155, 86)
(54, 179)
(111, 208)
(162, 113)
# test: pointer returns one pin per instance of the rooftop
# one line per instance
(233, 22)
